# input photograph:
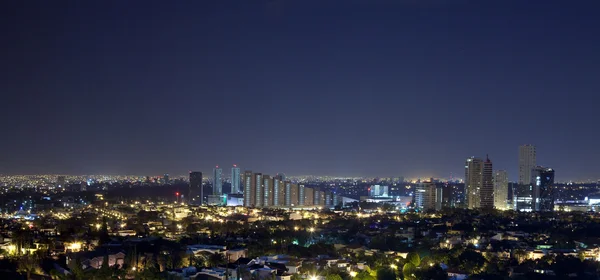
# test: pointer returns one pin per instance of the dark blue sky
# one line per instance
(381, 88)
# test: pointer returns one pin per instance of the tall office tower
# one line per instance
(425, 195)
(301, 195)
(486, 192)
(217, 181)
(336, 200)
(316, 197)
(309, 196)
(501, 190)
(258, 190)
(235, 179)
(295, 195)
(166, 178)
(249, 189)
(321, 198)
(288, 193)
(278, 193)
(543, 193)
(268, 191)
(439, 197)
(527, 161)
(195, 192)
(473, 182)
(328, 199)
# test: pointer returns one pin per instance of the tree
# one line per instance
(215, 260)
(364, 275)
(409, 270)
(413, 257)
(29, 264)
(520, 255)
(333, 277)
(432, 273)
(386, 274)
(471, 261)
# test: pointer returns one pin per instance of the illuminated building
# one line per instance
(473, 181)
(425, 196)
(196, 192)
(268, 198)
(249, 188)
(487, 185)
(217, 181)
(527, 161)
(543, 193)
(258, 190)
(501, 189)
(235, 179)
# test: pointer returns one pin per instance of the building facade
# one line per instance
(196, 191)
(486, 193)
(543, 189)
(217, 181)
(527, 161)
(501, 190)
(235, 179)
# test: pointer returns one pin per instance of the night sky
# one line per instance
(351, 88)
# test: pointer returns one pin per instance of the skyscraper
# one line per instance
(487, 185)
(235, 179)
(217, 181)
(249, 188)
(425, 196)
(258, 190)
(479, 184)
(278, 194)
(267, 191)
(527, 161)
(196, 193)
(543, 192)
(473, 182)
(501, 189)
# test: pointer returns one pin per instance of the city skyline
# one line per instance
(304, 87)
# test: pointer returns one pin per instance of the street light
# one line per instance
(313, 277)
(312, 229)
(353, 273)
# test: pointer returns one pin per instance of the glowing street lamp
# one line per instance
(353, 273)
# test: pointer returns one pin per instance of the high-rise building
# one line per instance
(288, 193)
(425, 196)
(166, 178)
(249, 188)
(473, 182)
(301, 196)
(278, 192)
(543, 192)
(196, 192)
(235, 179)
(501, 190)
(267, 191)
(479, 183)
(486, 193)
(527, 161)
(309, 196)
(217, 181)
(258, 190)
